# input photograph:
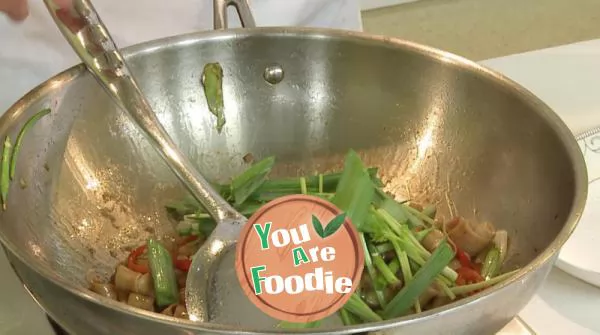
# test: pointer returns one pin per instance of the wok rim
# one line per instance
(536, 105)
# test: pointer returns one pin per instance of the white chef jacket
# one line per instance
(33, 51)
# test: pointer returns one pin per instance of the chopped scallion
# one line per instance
(421, 280)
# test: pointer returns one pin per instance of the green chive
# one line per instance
(445, 288)
(407, 273)
(320, 183)
(371, 269)
(348, 319)
(303, 185)
(413, 221)
(385, 271)
(385, 247)
(394, 265)
(356, 306)
(419, 215)
(17, 147)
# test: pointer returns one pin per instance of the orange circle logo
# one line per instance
(299, 258)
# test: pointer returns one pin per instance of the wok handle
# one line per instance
(82, 27)
(243, 10)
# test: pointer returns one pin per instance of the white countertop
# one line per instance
(568, 79)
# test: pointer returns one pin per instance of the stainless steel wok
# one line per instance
(435, 124)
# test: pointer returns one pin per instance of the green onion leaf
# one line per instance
(250, 180)
(355, 190)
(395, 209)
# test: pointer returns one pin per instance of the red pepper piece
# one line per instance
(183, 264)
(132, 260)
(463, 258)
(188, 239)
(468, 275)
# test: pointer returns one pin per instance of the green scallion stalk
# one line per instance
(163, 274)
(22, 132)
(404, 265)
(445, 288)
(430, 211)
(384, 247)
(266, 197)
(501, 242)
(184, 228)
(421, 234)
(394, 266)
(329, 183)
(413, 221)
(421, 280)
(303, 185)
(295, 325)
(348, 319)
(320, 183)
(465, 289)
(419, 215)
(371, 270)
(409, 248)
(356, 306)
(250, 180)
(385, 271)
(5, 172)
(403, 233)
(407, 273)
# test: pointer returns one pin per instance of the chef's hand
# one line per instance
(17, 10)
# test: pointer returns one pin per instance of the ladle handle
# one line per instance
(81, 25)
(243, 10)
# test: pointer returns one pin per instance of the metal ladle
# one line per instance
(81, 26)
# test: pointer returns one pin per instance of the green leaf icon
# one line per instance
(317, 225)
(334, 225)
